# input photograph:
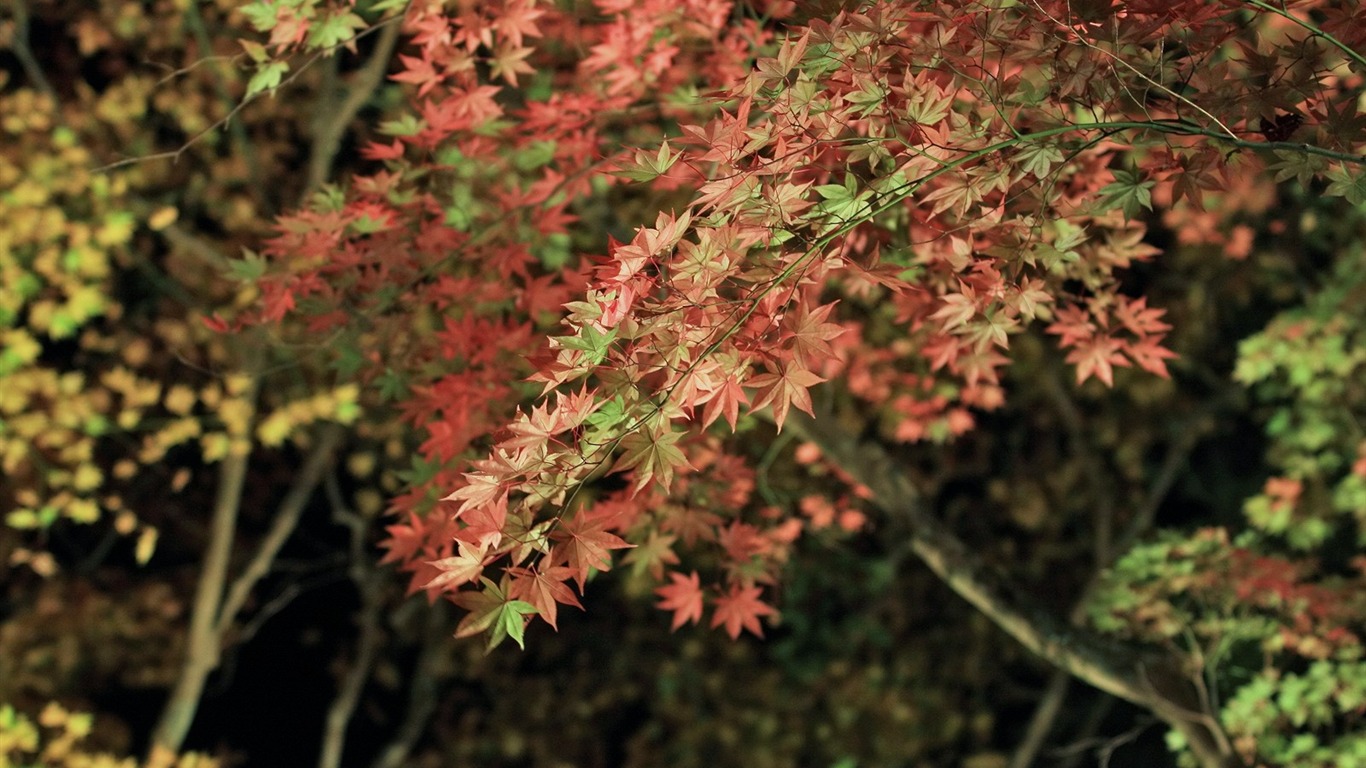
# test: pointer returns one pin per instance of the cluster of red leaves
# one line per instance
(1218, 589)
(886, 196)
(1316, 617)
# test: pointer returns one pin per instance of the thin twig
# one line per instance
(369, 581)
(216, 602)
(1315, 31)
(236, 131)
(203, 643)
(1107, 551)
(1041, 722)
(286, 519)
(1086, 734)
(175, 154)
(20, 46)
(333, 119)
(1160, 86)
(194, 245)
(1084, 452)
(423, 694)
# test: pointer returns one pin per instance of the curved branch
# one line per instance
(332, 118)
(217, 602)
(282, 526)
(369, 581)
(19, 45)
(1144, 676)
(202, 651)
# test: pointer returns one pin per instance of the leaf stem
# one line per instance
(1312, 29)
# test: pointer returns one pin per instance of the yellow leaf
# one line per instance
(78, 725)
(274, 429)
(116, 229)
(147, 544)
(162, 218)
(125, 523)
(238, 383)
(53, 715)
(22, 519)
(83, 510)
(214, 446)
(88, 478)
(180, 399)
(360, 464)
(236, 416)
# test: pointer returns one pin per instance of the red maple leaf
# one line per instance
(460, 569)
(1151, 355)
(741, 609)
(1096, 357)
(785, 389)
(544, 588)
(584, 544)
(812, 334)
(684, 597)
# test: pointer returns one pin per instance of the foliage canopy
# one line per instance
(688, 289)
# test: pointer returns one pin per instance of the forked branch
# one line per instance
(1147, 677)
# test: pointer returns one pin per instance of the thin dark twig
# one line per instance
(369, 581)
(24, 53)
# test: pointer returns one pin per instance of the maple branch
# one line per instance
(1144, 676)
(24, 53)
(422, 695)
(1141, 75)
(895, 197)
(194, 245)
(369, 584)
(326, 440)
(238, 133)
(1108, 549)
(1086, 735)
(1088, 457)
(332, 119)
(216, 602)
(1312, 29)
(1041, 722)
(202, 646)
(174, 155)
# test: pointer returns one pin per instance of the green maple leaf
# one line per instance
(333, 31)
(267, 77)
(1350, 184)
(1038, 159)
(1127, 193)
(594, 343)
(492, 611)
(654, 456)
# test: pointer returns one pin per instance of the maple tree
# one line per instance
(606, 263)
(887, 196)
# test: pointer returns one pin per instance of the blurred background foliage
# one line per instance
(1231, 499)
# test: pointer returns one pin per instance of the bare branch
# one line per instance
(20, 46)
(196, 246)
(216, 606)
(369, 581)
(203, 646)
(1041, 722)
(175, 154)
(1107, 549)
(1147, 677)
(326, 440)
(423, 694)
(332, 119)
